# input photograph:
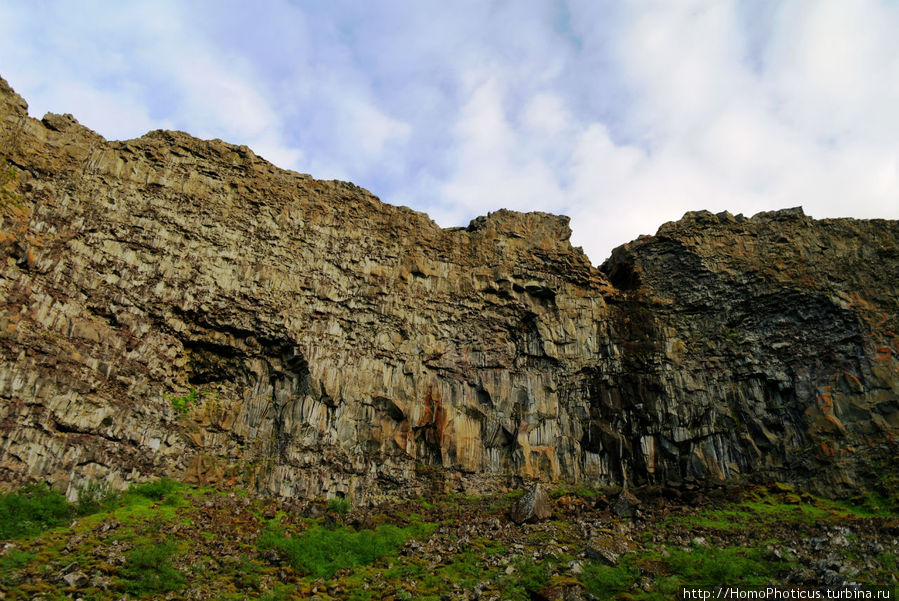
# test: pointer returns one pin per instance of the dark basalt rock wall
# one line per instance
(774, 349)
(176, 306)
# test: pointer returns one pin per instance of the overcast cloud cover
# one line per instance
(622, 115)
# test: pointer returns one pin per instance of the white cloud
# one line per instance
(815, 126)
(545, 115)
(496, 166)
(624, 115)
(134, 68)
(369, 131)
(834, 67)
(117, 114)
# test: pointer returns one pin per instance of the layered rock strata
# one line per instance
(176, 306)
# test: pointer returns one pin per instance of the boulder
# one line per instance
(534, 506)
(76, 579)
(625, 504)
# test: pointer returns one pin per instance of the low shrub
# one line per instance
(605, 581)
(528, 578)
(93, 497)
(339, 506)
(245, 572)
(10, 564)
(678, 567)
(32, 509)
(319, 552)
(149, 570)
(156, 490)
(709, 566)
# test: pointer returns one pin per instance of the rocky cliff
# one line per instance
(178, 306)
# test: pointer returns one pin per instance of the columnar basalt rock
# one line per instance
(177, 306)
(775, 350)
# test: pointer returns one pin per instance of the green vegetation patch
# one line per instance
(678, 567)
(8, 176)
(11, 563)
(606, 581)
(32, 509)
(528, 578)
(708, 566)
(765, 508)
(94, 497)
(157, 490)
(182, 404)
(164, 539)
(339, 506)
(36, 508)
(149, 570)
(873, 504)
(319, 552)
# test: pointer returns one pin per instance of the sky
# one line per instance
(622, 115)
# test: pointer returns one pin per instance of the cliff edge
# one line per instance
(176, 306)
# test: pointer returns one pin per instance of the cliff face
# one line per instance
(171, 305)
(771, 349)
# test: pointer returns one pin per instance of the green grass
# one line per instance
(246, 573)
(32, 509)
(677, 567)
(157, 490)
(465, 569)
(749, 513)
(871, 504)
(339, 506)
(606, 581)
(319, 552)
(155, 501)
(94, 497)
(280, 593)
(11, 563)
(769, 509)
(154, 523)
(424, 503)
(889, 562)
(708, 566)
(149, 570)
(36, 508)
(8, 177)
(527, 579)
(182, 404)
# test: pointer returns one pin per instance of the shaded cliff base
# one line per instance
(182, 542)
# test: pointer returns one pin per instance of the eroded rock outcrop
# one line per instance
(172, 305)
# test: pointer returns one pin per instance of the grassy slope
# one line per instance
(169, 540)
